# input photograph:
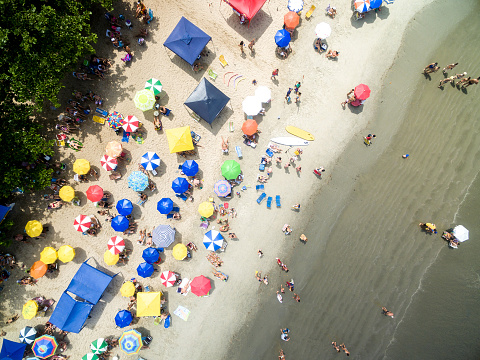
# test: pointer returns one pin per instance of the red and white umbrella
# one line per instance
(116, 245)
(130, 124)
(168, 278)
(82, 223)
(108, 163)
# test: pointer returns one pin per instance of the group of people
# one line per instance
(463, 82)
(296, 91)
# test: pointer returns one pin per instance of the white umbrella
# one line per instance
(461, 233)
(295, 5)
(264, 94)
(323, 30)
(251, 105)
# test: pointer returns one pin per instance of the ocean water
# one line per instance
(366, 249)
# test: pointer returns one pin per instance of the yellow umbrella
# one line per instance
(48, 255)
(66, 253)
(127, 289)
(114, 149)
(109, 258)
(81, 166)
(148, 303)
(34, 228)
(179, 251)
(66, 193)
(30, 309)
(179, 139)
(206, 209)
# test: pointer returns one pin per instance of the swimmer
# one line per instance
(405, 156)
(296, 297)
(260, 253)
(335, 346)
(282, 355)
(303, 238)
(449, 67)
(386, 312)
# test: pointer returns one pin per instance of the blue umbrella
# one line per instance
(150, 255)
(27, 335)
(282, 38)
(138, 181)
(145, 270)
(123, 318)
(150, 160)
(375, 4)
(213, 240)
(180, 185)
(124, 207)
(120, 223)
(190, 168)
(12, 350)
(165, 205)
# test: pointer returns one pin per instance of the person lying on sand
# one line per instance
(225, 145)
(332, 54)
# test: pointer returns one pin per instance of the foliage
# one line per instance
(5, 227)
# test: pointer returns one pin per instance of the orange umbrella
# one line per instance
(249, 127)
(291, 20)
(114, 149)
(38, 269)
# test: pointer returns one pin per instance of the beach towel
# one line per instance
(182, 312)
(98, 119)
(126, 136)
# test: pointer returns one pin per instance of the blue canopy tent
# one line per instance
(207, 101)
(12, 350)
(4, 210)
(187, 41)
(70, 314)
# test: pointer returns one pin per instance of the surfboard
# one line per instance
(289, 141)
(279, 297)
(300, 133)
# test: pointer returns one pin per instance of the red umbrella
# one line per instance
(291, 20)
(200, 286)
(362, 92)
(249, 127)
(94, 193)
(116, 245)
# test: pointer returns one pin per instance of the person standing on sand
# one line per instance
(449, 67)
(241, 45)
(274, 74)
(250, 46)
(287, 97)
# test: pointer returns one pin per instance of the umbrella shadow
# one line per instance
(80, 255)
(355, 109)
(257, 27)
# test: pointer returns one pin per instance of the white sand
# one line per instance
(367, 49)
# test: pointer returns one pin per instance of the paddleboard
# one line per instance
(289, 141)
(300, 133)
(279, 297)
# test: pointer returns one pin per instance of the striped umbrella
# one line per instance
(163, 236)
(27, 335)
(168, 278)
(108, 163)
(99, 346)
(114, 149)
(362, 6)
(295, 5)
(44, 346)
(94, 193)
(213, 240)
(222, 188)
(116, 245)
(154, 85)
(82, 223)
(144, 100)
(130, 342)
(130, 124)
(137, 181)
(150, 160)
(90, 356)
(115, 120)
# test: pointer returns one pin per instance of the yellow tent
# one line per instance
(206, 209)
(127, 289)
(81, 166)
(148, 303)
(34, 228)
(30, 309)
(48, 255)
(179, 252)
(109, 258)
(66, 253)
(66, 193)
(179, 139)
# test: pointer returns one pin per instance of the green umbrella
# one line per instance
(144, 100)
(231, 169)
(99, 346)
(155, 85)
(90, 356)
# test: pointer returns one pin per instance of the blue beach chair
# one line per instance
(260, 187)
(262, 196)
(269, 202)
(239, 151)
(277, 200)
(182, 196)
(269, 152)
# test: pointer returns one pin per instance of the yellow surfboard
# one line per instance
(300, 133)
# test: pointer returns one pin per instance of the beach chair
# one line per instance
(195, 117)
(181, 196)
(223, 61)
(260, 187)
(213, 75)
(260, 199)
(60, 142)
(231, 128)
(269, 202)
(261, 167)
(310, 12)
(103, 113)
(277, 200)
(195, 137)
(269, 152)
(239, 151)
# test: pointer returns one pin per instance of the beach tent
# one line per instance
(207, 101)
(4, 210)
(247, 8)
(187, 41)
(70, 314)
(179, 139)
(148, 303)
(12, 350)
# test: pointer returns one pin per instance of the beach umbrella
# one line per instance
(30, 309)
(213, 240)
(461, 233)
(66, 253)
(154, 85)
(362, 92)
(362, 6)
(66, 193)
(115, 121)
(44, 346)
(375, 4)
(108, 163)
(206, 209)
(109, 258)
(90, 356)
(130, 124)
(163, 236)
(200, 286)
(180, 185)
(251, 105)
(124, 207)
(150, 255)
(94, 193)
(149, 303)
(165, 205)
(190, 168)
(230, 169)
(150, 160)
(323, 30)
(27, 335)
(82, 223)
(282, 39)
(120, 223)
(222, 188)
(144, 99)
(116, 245)
(137, 181)
(168, 278)
(99, 346)
(179, 252)
(48, 255)
(249, 127)
(127, 289)
(295, 5)
(291, 20)
(81, 166)
(12, 350)
(33, 228)
(179, 139)
(145, 270)
(38, 269)
(130, 342)
(114, 149)
(123, 318)
(263, 93)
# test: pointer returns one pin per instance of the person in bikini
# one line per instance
(225, 145)
(332, 54)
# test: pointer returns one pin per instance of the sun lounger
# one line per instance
(182, 196)
(195, 137)
(269, 152)
(103, 113)
(195, 117)
(269, 202)
(60, 142)
(260, 187)
(309, 12)
(277, 200)
(261, 167)
(239, 151)
(260, 199)
(213, 75)
(231, 128)
(223, 61)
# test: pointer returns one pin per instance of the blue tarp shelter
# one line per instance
(12, 350)
(187, 40)
(4, 211)
(207, 101)
(70, 314)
